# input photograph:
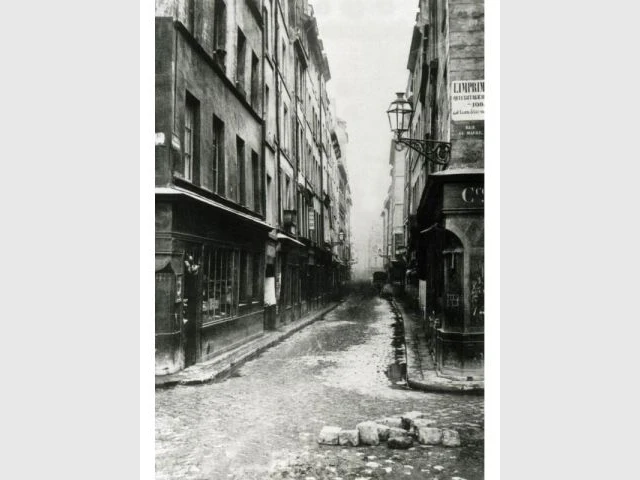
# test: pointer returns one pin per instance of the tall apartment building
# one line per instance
(444, 205)
(395, 260)
(242, 140)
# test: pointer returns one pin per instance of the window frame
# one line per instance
(218, 161)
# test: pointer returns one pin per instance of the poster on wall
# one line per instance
(467, 108)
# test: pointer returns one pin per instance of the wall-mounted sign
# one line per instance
(465, 196)
(312, 219)
(467, 129)
(467, 100)
(467, 109)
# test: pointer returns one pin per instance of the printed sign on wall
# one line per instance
(467, 108)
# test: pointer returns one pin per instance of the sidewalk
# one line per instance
(221, 366)
(421, 369)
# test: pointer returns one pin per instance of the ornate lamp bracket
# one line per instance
(433, 151)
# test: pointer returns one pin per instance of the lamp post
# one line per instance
(400, 113)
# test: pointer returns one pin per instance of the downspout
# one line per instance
(321, 167)
(277, 79)
(324, 279)
(263, 194)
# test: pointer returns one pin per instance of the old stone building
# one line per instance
(444, 205)
(393, 215)
(242, 140)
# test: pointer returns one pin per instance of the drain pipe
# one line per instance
(277, 79)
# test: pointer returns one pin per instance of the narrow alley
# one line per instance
(263, 421)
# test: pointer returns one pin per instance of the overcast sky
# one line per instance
(367, 43)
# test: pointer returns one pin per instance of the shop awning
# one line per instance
(282, 236)
(186, 193)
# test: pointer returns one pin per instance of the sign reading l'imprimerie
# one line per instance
(467, 108)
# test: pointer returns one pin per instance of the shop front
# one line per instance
(210, 270)
(451, 267)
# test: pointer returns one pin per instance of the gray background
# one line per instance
(73, 254)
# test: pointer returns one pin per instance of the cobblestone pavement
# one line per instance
(262, 423)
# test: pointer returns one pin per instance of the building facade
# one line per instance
(444, 205)
(395, 257)
(238, 143)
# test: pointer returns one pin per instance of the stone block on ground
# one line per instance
(429, 435)
(329, 435)
(421, 423)
(349, 438)
(383, 432)
(400, 441)
(390, 421)
(368, 433)
(408, 417)
(394, 432)
(450, 438)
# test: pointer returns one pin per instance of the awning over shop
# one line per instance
(283, 237)
(186, 193)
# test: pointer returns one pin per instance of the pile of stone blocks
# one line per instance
(398, 431)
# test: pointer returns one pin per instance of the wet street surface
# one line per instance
(263, 421)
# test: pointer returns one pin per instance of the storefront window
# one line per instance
(220, 283)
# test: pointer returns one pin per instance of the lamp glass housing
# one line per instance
(400, 113)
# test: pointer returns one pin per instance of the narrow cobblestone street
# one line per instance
(263, 421)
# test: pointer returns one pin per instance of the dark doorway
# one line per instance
(189, 318)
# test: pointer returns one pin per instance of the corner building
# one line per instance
(444, 205)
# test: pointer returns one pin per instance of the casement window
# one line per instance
(241, 52)
(257, 182)
(267, 20)
(255, 82)
(270, 200)
(240, 156)
(191, 16)
(191, 138)
(287, 192)
(283, 60)
(398, 240)
(292, 12)
(218, 163)
(266, 103)
(220, 31)
(285, 129)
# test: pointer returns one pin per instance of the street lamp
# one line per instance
(400, 114)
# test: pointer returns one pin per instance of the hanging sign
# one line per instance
(467, 108)
(312, 219)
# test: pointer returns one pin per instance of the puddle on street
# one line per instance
(397, 371)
